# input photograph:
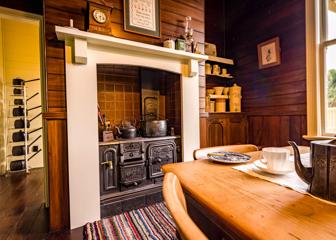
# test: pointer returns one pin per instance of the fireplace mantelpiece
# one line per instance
(83, 52)
(81, 39)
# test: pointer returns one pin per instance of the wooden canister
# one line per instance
(235, 98)
(221, 105)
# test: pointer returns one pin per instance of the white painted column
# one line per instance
(190, 113)
(81, 89)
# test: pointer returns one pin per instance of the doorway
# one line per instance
(22, 156)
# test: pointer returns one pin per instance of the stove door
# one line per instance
(159, 154)
(108, 160)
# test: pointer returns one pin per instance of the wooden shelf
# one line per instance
(221, 76)
(213, 96)
(221, 60)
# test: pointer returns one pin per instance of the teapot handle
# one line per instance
(306, 174)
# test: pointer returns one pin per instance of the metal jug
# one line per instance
(321, 177)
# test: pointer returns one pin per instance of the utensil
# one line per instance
(321, 176)
(263, 167)
(229, 157)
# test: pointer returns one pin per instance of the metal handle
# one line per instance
(108, 163)
(135, 184)
(159, 160)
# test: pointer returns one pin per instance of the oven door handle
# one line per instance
(108, 163)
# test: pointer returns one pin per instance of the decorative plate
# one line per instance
(229, 157)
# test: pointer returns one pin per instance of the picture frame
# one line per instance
(143, 17)
(269, 53)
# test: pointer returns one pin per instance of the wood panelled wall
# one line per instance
(173, 13)
(274, 98)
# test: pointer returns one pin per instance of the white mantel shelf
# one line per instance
(68, 33)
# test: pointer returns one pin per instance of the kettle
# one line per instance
(127, 131)
(321, 177)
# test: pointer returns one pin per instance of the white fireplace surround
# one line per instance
(84, 51)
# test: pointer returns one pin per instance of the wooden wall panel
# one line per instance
(57, 171)
(59, 13)
(274, 98)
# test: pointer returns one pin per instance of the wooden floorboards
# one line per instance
(22, 211)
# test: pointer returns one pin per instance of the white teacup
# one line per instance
(277, 159)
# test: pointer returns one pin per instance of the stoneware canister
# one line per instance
(208, 68)
(221, 105)
(235, 98)
(169, 43)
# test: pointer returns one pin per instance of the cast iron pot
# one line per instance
(154, 128)
(17, 165)
(127, 132)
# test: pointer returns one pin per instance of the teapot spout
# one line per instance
(306, 174)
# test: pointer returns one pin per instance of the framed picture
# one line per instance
(142, 17)
(269, 53)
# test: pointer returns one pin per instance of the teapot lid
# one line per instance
(328, 143)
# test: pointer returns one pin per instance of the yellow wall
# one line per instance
(2, 113)
(21, 58)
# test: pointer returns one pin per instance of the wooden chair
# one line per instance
(243, 148)
(176, 204)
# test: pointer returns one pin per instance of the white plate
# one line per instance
(262, 166)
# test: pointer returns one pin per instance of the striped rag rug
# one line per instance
(152, 222)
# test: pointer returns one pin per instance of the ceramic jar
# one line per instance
(221, 105)
(210, 91)
(208, 68)
(235, 98)
(218, 90)
(226, 91)
(212, 106)
(180, 44)
(169, 43)
(216, 69)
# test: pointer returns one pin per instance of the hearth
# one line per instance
(85, 51)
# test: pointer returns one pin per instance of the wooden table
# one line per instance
(248, 207)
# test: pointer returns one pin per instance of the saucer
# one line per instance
(262, 166)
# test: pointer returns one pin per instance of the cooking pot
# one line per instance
(18, 82)
(17, 165)
(21, 149)
(127, 132)
(18, 111)
(154, 128)
(19, 123)
(18, 102)
(17, 91)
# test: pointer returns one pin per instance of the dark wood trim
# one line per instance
(54, 115)
(58, 176)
